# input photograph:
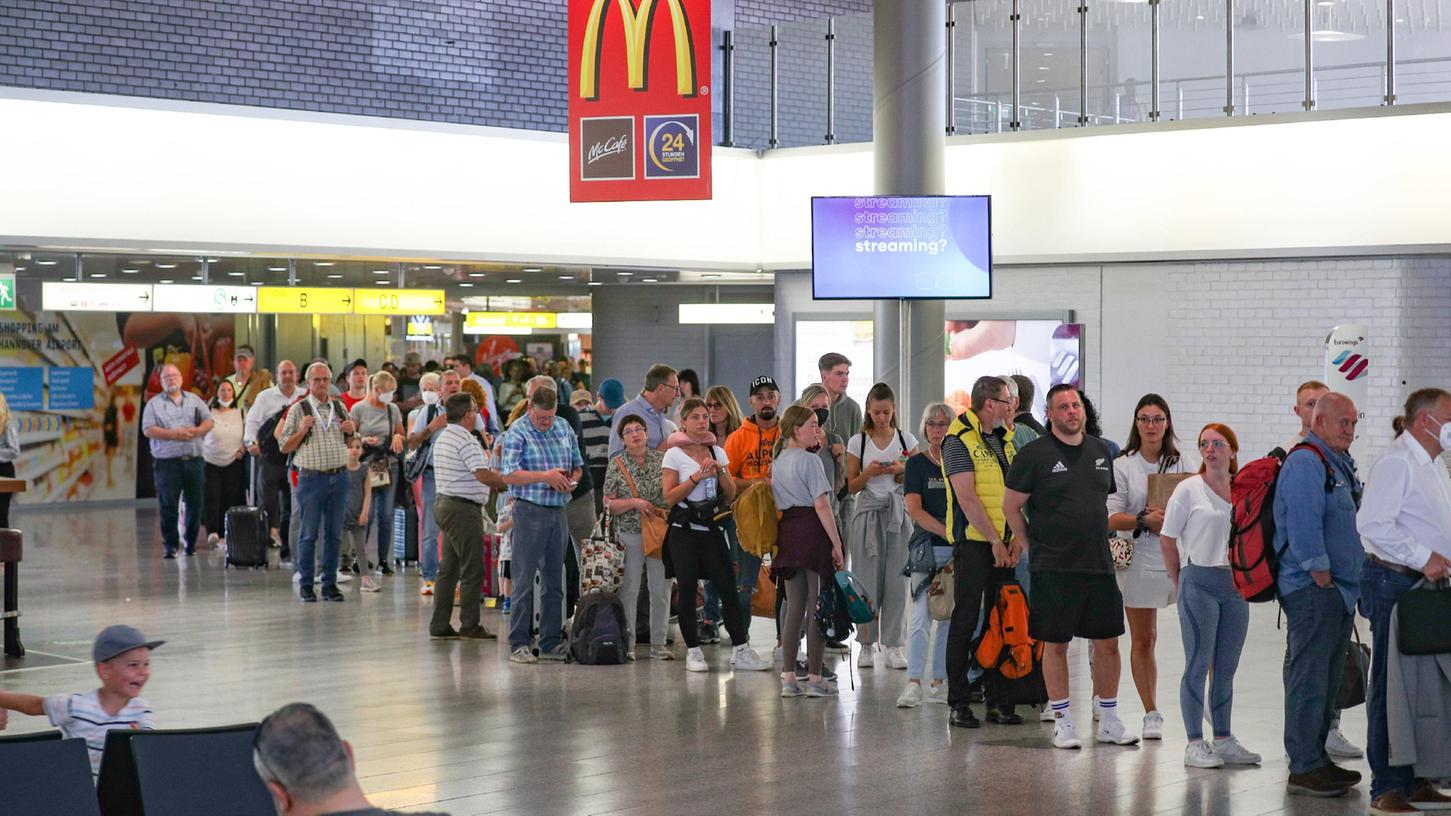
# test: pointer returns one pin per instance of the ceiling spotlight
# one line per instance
(477, 274)
(69, 280)
(625, 274)
(123, 271)
(98, 274)
(432, 266)
(46, 262)
(234, 273)
(532, 269)
(335, 276)
(649, 280)
(515, 280)
(276, 269)
(380, 283)
(1199, 16)
(256, 283)
(381, 272)
(566, 277)
(212, 260)
(467, 285)
(596, 283)
(322, 263)
(166, 266)
(166, 280)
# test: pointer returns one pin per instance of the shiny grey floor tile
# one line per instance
(453, 726)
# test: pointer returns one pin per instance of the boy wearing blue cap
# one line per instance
(123, 662)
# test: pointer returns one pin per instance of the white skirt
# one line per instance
(1145, 585)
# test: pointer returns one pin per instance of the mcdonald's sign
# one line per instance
(639, 100)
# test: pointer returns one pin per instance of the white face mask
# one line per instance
(385, 397)
(430, 397)
(224, 403)
(1444, 437)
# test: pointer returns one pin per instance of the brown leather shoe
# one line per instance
(1349, 777)
(1319, 782)
(1391, 803)
(1426, 796)
(477, 633)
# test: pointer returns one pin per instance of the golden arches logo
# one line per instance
(638, 23)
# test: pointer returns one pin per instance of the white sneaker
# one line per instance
(895, 658)
(937, 694)
(695, 661)
(1339, 747)
(1233, 753)
(1153, 726)
(791, 688)
(343, 577)
(1045, 714)
(744, 658)
(1112, 730)
(213, 539)
(1201, 755)
(911, 696)
(1063, 734)
(1096, 713)
(868, 657)
(369, 585)
(523, 655)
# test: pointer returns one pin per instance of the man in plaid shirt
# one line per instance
(541, 464)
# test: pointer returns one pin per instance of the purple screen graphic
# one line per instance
(872, 247)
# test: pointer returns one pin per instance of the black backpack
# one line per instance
(597, 635)
(267, 440)
(832, 615)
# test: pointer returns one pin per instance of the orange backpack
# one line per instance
(1005, 644)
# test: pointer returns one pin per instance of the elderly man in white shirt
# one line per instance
(1405, 525)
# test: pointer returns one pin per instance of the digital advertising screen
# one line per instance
(901, 247)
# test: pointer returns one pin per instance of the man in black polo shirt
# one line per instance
(1063, 480)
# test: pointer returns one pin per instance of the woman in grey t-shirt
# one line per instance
(380, 425)
(809, 545)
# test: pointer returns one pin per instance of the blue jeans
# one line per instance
(428, 539)
(1380, 589)
(924, 626)
(541, 535)
(324, 499)
(380, 514)
(1318, 626)
(175, 479)
(1213, 619)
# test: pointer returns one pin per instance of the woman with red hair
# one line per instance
(1213, 617)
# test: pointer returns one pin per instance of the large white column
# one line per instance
(908, 128)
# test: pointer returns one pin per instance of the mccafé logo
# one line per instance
(637, 23)
(606, 148)
(609, 147)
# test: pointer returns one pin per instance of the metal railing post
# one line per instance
(1057, 112)
(1228, 57)
(1244, 100)
(728, 75)
(951, 69)
(1390, 83)
(1180, 88)
(1154, 61)
(1017, 20)
(831, 80)
(1309, 103)
(774, 141)
(1083, 65)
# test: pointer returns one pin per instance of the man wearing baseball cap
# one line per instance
(749, 449)
(123, 662)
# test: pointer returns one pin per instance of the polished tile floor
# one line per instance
(453, 726)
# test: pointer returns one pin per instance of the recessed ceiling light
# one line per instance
(649, 280)
(1199, 16)
(596, 283)
(322, 263)
(69, 280)
(532, 269)
(129, 271)
(566, 277)
(1040, 81)
(256, 283)
(626, 274)
(380, 272)
(196, 277)
(432, 266)
(1047, 53)
(467, 285)
(166, 266)
(166, 280)
(711, 275)
(98, 274)
(335, 276)
(476, 274)
(46, 263)
(212, 260)
(276, 269)
(234, 273)
(1042, 67)
(380, 283)
(515, 280)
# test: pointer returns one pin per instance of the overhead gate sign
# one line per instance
(639, 100)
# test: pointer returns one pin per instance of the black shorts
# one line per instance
(1066, 605)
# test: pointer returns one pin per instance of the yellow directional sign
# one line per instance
(304, 300)
(479, 322)
(399, 301)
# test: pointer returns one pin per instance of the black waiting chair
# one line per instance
(44, 775)
(182, 773)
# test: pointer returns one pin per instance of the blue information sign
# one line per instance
(23, 387)
(72, 388)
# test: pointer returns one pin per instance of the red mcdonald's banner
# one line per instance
(639, 100)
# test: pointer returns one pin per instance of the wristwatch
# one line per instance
(1139, 526)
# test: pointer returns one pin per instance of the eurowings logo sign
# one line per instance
(639, 100)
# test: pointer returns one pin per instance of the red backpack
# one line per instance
(1252, 557)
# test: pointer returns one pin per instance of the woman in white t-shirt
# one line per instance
(1145, 585)
(876, 458)
(226, 469)
(698, 490)
(1213, 618)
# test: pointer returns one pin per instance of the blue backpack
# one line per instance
(854, 593)
(832, 616)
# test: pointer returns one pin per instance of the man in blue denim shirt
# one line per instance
(1319, 584)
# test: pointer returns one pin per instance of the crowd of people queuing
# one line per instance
(984, 490)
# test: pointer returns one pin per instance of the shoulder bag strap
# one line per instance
(629, 480)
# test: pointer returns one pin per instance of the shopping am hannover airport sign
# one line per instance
(639, 100)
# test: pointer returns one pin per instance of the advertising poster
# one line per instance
(639, 100)
(77, 381)
(901, 247)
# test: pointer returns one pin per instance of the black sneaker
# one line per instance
(169, 554)
(1321, 782)
(1345, 775)
(285, 554)
(1004, 716)
(307, 593)
(964, 718)
(384, 569)
(190, 552)
(709, 633)
(333, 594)
(448, 634)
(357, 569)
(975, 693)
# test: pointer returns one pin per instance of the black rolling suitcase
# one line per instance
(247, 537)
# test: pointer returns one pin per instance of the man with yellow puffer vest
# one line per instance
(975, 457)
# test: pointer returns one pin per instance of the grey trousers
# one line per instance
(659, 588)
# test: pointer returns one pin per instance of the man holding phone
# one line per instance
(542, 465)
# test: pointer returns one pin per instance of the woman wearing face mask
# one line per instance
(809, 545)
(698, 488)
(876, 459)
(380, 424)
(226, 479)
